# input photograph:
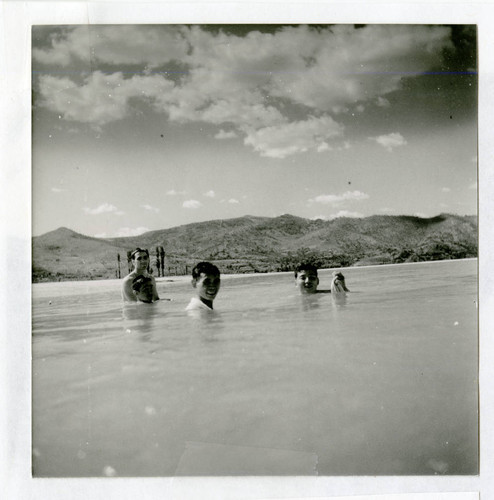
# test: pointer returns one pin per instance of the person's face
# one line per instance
(307, 281)
(141, 261)
(145, 294)
(207, 286)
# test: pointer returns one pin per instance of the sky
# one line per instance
(145, 127)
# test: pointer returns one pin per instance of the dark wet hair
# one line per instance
(137, 250)
(206, 268)
(139, 281)
(305, 266)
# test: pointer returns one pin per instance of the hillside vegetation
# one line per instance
(260, 244)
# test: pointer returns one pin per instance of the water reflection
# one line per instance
(139, 318)
(315, 301)
(209, 324)
(310, 302)
(339, 300)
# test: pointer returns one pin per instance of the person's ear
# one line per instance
(194, 282)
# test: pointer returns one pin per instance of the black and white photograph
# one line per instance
(246, 250)
(319, 183)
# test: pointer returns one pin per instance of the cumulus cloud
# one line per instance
(233, 201)
(172, 192)
(282, 140)
(222, 134)
(104, 208)
(324, 146)
(101, 99)
(250, 85)
(390, 141)
(341, 213)
(131, 231)
(150, 208)
(346, 213)
(337, 199)
(191, 204)
(445, 190)
(344, 146)
(123, 44)
(210, 194)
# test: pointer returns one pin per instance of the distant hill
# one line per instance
(260, 244)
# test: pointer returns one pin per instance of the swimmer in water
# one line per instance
(140, 261)
(307, 280)
(338, 283)
(206, 280)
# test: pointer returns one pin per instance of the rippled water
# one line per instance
(383, 382)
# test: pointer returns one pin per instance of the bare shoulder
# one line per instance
(127, 286)
(128, 278)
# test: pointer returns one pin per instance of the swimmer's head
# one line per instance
(142, 286)
(206, 280)
(306, 279)
(140, 259)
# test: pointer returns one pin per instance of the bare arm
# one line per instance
(155, 291)
(127, 293)
(338, 286)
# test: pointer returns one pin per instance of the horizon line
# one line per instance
(253, 216)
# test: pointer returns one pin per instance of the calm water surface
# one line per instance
(383, 382)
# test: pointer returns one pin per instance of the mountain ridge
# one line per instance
(256, 243)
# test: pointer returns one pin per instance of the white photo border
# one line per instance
(15, 199)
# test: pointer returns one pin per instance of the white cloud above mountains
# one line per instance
(245, 83)
(337, 199)
(101, 99)
(341, 213)
(390, 141)
(285, 139)
(102, 209)
(150, 208)
(223, 134)
(131, 231)
(192, 204)
(122, 44)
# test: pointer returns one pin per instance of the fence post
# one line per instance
(129, 261)
(158, 263)
(162, 260)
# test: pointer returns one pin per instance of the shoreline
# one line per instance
(224, 277)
